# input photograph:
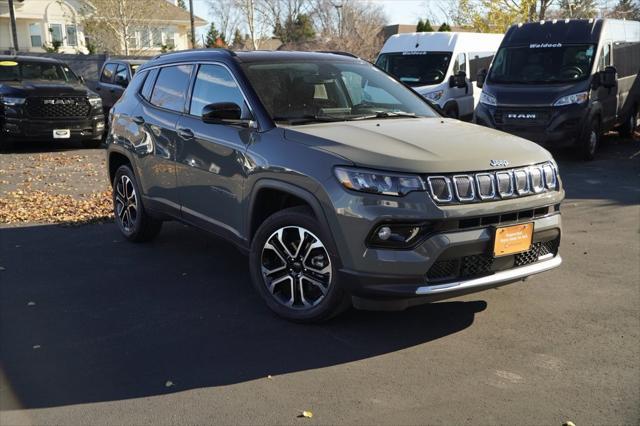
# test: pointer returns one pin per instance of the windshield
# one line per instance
(416, 68)
(18, 71)
(331, 91)
(546, 63)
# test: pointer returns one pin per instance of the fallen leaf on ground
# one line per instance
(306, 414)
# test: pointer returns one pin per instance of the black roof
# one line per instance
(21, 58)
(568, 31)
(249, 56)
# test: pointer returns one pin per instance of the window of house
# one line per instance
(479, 61)
(156, 36)
(35, 31)
(56, 32)
(132, 40)
(214, 84)
(72, 35)
(169, 38)
(145, 40)
(107, 73)
(171, 86)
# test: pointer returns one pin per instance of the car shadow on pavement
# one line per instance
(38, 147)
(87, 317)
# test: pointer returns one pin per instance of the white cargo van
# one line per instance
(441, 66)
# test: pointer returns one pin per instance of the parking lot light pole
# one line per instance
(193, 27)
(14, 31)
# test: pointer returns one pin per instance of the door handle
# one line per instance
(138, 120)
(185, 133)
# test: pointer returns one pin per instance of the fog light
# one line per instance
(397, 235)
(384, 233)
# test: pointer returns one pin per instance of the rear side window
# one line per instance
(121, 72)
(215, 84)
(479, 61)
(171, 87)
(107, 73)
(148, 84)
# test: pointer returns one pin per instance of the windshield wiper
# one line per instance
(387, 114)
(309, 118)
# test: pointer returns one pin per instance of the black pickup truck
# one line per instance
(43, 99)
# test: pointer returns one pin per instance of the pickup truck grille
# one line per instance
(493, 185)
(52, 108)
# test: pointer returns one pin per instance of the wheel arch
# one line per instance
(115, 160)
(295, 196)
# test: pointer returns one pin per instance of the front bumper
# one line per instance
(560, 127)
(462, 239)
(90, 128)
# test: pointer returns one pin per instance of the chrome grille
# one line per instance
(492, 186)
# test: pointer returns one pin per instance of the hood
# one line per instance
(42, 88)
(533, 95)
(423, 145)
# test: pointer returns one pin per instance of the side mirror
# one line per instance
(121, 81)
(223, 113)
(458, 80)
(481, 77)
(608, 77)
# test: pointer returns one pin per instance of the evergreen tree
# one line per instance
(213, 37)
(238, 41)
(444, 28)
(295, 30)
(424, 26)
(182, 4)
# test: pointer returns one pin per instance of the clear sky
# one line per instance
(397, 11)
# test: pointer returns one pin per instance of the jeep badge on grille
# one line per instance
(498, 163)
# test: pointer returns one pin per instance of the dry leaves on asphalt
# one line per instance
(35, 206)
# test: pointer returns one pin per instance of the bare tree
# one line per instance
(110, 24)
(226, 17)
(253, 18)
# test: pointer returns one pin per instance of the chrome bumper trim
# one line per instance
(497, 278)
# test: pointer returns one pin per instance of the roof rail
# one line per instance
(338, 52)
(202, 49)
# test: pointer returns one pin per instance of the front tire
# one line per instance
(590, 140)
(132, 219)
(294, 268)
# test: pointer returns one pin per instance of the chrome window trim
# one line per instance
(509, 174)
(493, 186)
(471, 185)
(447, 182)
(527, 188)
(536, 189)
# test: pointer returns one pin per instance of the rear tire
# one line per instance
(134, 222)
(294, 268)
(630, 125)
(590, 140)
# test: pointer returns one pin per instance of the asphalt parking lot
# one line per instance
(94, 330)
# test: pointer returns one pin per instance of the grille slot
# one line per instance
(492, 186)
(58, 107)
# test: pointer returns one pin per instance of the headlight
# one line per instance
(434, 96)
(12, 101)
(95, 101)
(488, 99)
(378, 182)
(576, 98)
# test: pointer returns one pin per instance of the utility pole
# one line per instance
(193, 26)
(14, 31)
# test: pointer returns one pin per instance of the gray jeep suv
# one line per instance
(343, 185)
